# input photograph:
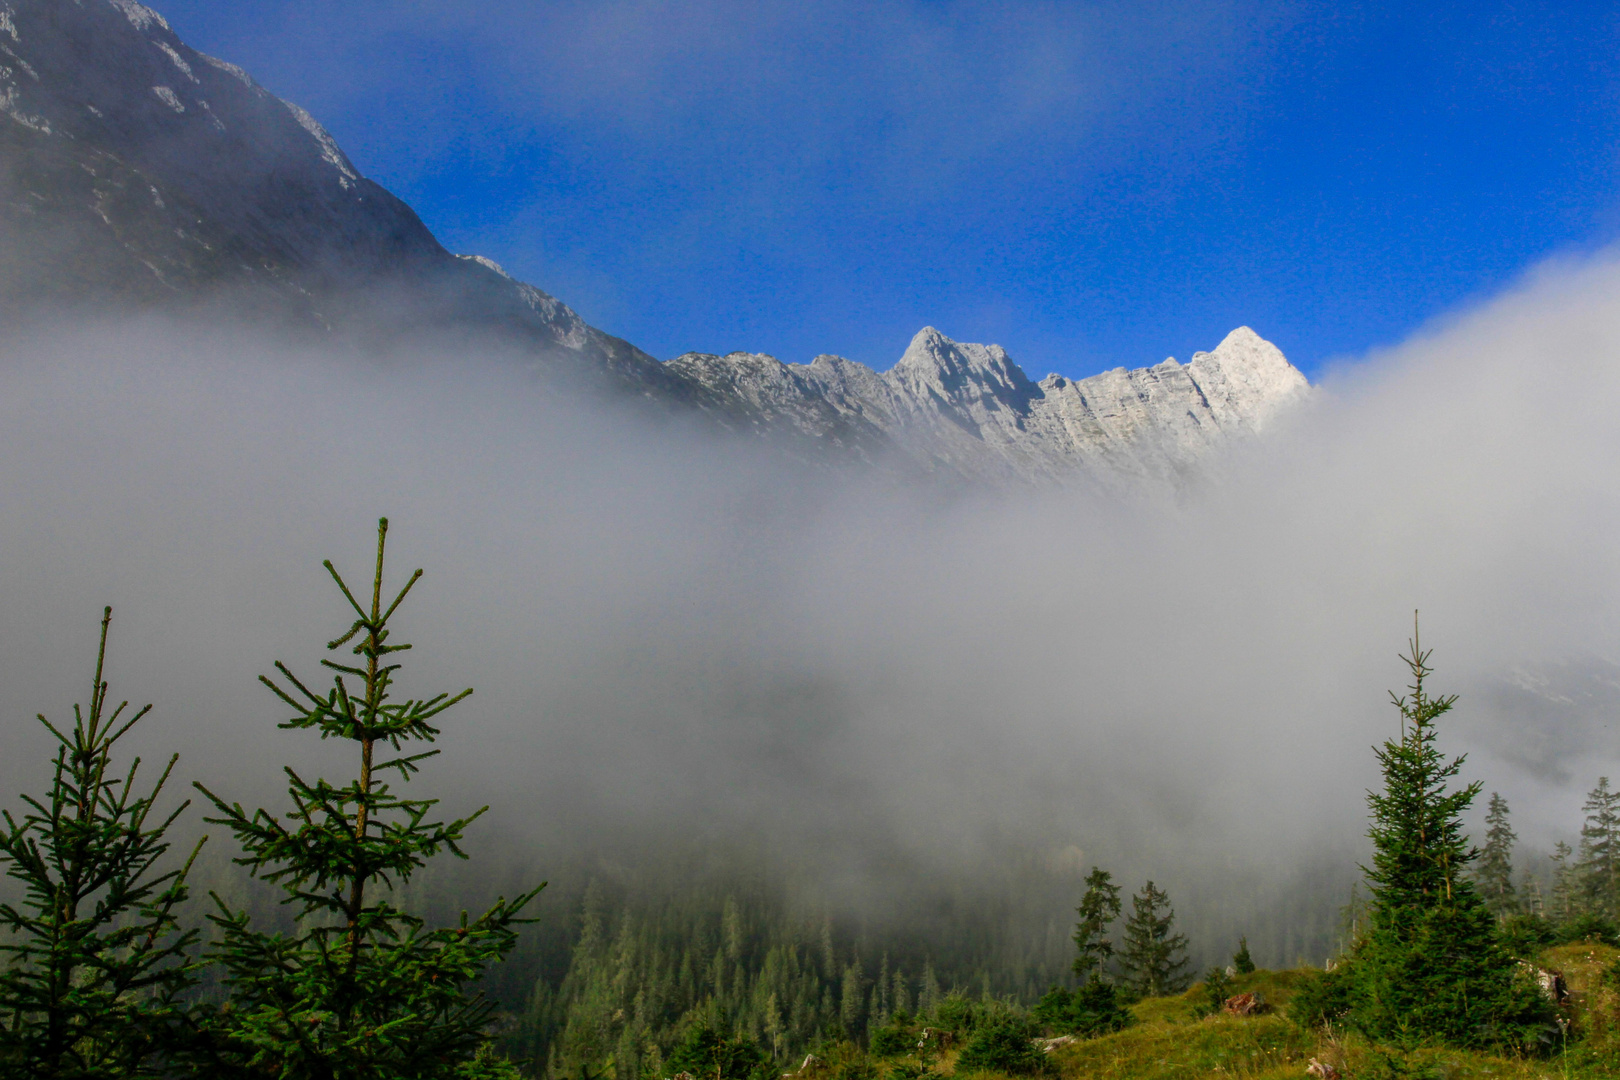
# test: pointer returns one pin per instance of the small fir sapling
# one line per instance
(897, 1035)
(1003, 1042)
(1217, 988)
(1097, 1008)
(361, 988)
(1242, 962)
(1154, 956)
(97, 966)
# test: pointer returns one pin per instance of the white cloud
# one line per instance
(667, 629)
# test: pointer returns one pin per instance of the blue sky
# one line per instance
(1088, 185)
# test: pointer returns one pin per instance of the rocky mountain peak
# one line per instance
(136, 170)
(1246, 378)
(961, 375)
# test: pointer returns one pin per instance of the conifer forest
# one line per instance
(322, 937)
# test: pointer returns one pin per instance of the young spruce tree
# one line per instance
(1431, 966)
(1096, 1007)
(97, 963)
(1597, 872)
(361, 989)
(1154, 956)
(1098, 909)
(1495, 873)
(1242, 962)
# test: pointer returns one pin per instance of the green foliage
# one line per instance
(1396, 1064)
(1096, 1008)
(1524, 935)
(1099, 907)
(1242, 962)
(1054, 1010)
(1432, 965)
(1217, 988)
(908, 1070)
(97, 962)
(651, 955)
(1597, 873)
(1154, 957)
(1003, 1041)
(1252, 1048)
(1587, 926)
(843, 1060)
(708, 1055)
(1565, 888)
(1495, 872)
(897, 1036)
(1322, 997)
(955, 1012)
(362, 988)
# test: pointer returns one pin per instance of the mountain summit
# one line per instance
(971, 409)
(137, 172)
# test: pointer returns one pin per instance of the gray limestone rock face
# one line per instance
(970, 409)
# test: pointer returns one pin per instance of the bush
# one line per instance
(909, 1070)
(709, 1055)
(898, 1036)
(1097, 1008)
(1385, 1064)
(956, 1013)
(1242, 962)
(1003, 1042)
(1526, 935)
(1055, 1010)
(1217, 988)
(1322, 997)
(1587, 928)
(844, 1061)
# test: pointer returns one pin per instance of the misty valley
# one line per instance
(898, 715)
(328, 942)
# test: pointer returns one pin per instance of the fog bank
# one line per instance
(675, 634)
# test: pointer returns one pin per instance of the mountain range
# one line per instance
(137, 172)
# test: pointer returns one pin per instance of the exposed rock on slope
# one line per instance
(135, 170)
(971, 409)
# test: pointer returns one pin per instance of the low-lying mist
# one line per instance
(887, 688)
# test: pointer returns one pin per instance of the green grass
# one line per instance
(1170, 1041)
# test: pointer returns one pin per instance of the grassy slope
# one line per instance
(1170, 1042)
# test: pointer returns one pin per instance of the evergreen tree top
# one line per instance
(1495, 870)
(1431, 964)
(1098, 909)
(1154, 956)
(93, 962)
(364, 988)
(1421, 849)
